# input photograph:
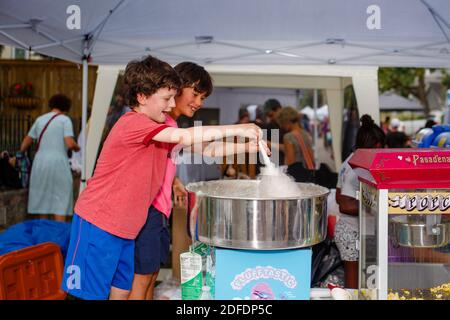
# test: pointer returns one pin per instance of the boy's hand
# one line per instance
(251, 131)
(179, 193)
(263, 144)
(253, 147)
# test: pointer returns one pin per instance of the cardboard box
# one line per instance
(180, 239)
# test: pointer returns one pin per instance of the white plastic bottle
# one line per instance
(206, 293)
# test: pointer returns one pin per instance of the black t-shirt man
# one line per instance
(396, 139)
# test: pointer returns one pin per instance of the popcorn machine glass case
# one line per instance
(404, 223)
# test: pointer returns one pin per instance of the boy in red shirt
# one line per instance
(129, 173)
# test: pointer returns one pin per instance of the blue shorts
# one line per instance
(152, 245)
(96, 261)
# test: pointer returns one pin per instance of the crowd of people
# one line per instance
(288, 135)
(395, 132)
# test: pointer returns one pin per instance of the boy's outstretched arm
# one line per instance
(223, 149)
(200, 134)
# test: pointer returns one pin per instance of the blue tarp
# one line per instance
(33, 232)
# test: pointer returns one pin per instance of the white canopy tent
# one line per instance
(320, 113)
(311, 44)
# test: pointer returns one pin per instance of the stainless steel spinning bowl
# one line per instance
(229, 215)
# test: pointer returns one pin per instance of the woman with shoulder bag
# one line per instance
(51, 185)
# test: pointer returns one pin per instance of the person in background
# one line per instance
(396, 138)
(347, 227)
(430, 123)
(326, 133)
(270, 109)
(351, 126)
(297, 142)
(305, 122)
(51, 184)
(259, 117)
(274, 132)
(385, 125)
(233, 170)
(116, 110)
(244, 116)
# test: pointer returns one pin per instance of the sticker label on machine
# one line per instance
(419, 203)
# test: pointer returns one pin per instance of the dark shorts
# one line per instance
(152, 245)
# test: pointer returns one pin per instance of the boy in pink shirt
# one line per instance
(112, 209)
(153, 242)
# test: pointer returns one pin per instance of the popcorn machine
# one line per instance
(404, 223)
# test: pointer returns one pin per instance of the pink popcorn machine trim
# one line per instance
(403, 168)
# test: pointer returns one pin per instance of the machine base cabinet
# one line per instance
(262, 275)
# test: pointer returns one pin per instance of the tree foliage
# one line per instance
(406, 82)
(446, 79)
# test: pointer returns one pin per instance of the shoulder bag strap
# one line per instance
(45, 128)
(307, 153)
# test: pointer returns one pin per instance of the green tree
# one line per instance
(446, 79)
(406, 82)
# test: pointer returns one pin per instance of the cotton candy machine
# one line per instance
(236, 214)
(257, 243)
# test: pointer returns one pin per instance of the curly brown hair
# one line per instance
(287, 115)
(146, 76)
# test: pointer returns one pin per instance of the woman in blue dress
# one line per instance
(51, 185)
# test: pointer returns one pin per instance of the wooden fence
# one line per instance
(47, 77)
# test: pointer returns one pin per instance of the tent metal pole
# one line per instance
(437, 17)
(316, 129)
(15, 26)
(83, 121)
(98, 30)
(10, 37)
(57, 43)
(396, 51)
(52, 38)
(436, 13)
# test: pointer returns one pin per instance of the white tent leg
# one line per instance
(104, 88)
(316, 130)
(335, 99)
(365, 84)
(84, 107)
